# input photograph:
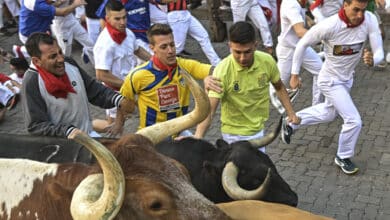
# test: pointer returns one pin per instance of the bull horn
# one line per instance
(158, 132)
(267, 139)
(99, 196)
(234, 191)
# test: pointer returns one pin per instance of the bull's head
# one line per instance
(231, 171)
(100, 196)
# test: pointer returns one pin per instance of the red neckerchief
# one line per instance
(315, 4)
(116, 35)
(124, 2)
(4, 78)
(164, 67)
(344, 18)
(58, 86)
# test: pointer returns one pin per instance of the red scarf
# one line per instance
(58, 86)
(315, 4)
(164, 67)
(344, 18)
(116, 35)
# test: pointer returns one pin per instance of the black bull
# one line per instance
(205, 163)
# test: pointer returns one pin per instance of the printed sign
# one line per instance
(168, 98)
(343, 50)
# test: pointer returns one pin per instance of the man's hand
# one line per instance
(212, 83)
(368, 57)
(295, 81)
(115, 129)
(293, 118)
(74, 132)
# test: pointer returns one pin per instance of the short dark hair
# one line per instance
(242, 32)
(114, 5)
(35, 39)
(158, 29)
(19, 63)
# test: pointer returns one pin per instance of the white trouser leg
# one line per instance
(258, 18)
(337, 100)
(157, 15)
(81, 35)
(93, 28)
(64, 35)
(13, 7)
(240, 9)
(313, 64)
(179, 22)
(199, 33)
(339, 96)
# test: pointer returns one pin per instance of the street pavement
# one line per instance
(307, 164)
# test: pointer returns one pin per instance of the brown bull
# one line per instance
(259, 210)
(132, 182)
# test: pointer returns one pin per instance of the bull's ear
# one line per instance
(220, 144)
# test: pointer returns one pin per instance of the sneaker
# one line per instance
(286, 132)
(380, 66)
(346, 165)
(388, 57)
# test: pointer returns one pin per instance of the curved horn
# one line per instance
(158, 132)
(99, 196)
(267, 139)
(234, 191)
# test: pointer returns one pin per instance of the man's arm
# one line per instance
(299, 29)
(143, 54)
(70, 8)
(125, 108)
(285, 100)
(202, 127)
(108, 78)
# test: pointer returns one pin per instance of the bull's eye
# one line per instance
(156, 205)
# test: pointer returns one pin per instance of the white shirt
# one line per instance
(343, 46)
(291, 13)
(117, 58)
(15, 77)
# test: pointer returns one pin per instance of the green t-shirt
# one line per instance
(245, 96)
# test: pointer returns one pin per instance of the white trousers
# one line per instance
(311, 62)
(68, 28)
(93, 28)
(183, 23)
(158, 14)
(337, 101)
(13, 7)
(231, 138)
(251, 8)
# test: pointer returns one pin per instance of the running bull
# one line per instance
(227, 172)
(130, 181)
